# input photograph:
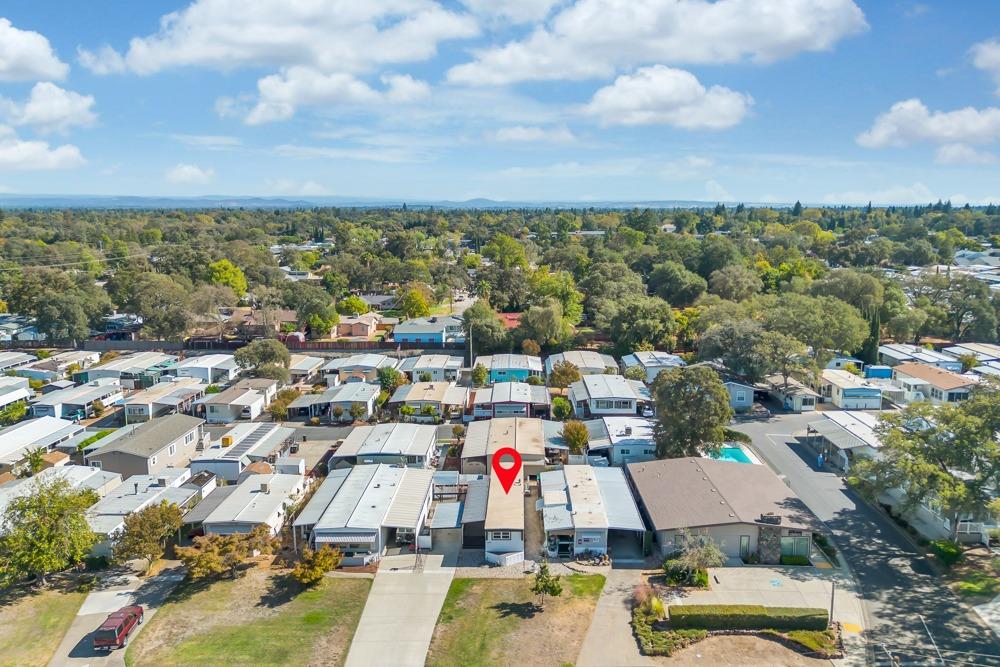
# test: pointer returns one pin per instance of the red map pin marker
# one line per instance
(507, 475)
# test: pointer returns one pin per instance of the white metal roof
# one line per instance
(249, 503)
(136, 362)
(653, 359)
(79, 395)
(510, 362)
(848, 429)
(303, 363)
(582, 359)
(207, 361)
(512, 392)
(610, 386)
(525, 434)
(366, 361)
(388, 439)
(369, 497)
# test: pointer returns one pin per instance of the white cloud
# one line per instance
(918, 193)
(374, 154)
(534, 134)
(986, 56)
(280, 94)
(50, 108)
(515, 11)
(667, 96)
(321, 49)
(910, 121)
(691, 166)
(189, 174)
(104, 60)
(962, 154)
(594, 38)
(20, 155)
(26, 55)
(715, 191)
(573, 169)
(208, 141)
(285, 186)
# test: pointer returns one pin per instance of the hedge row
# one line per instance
(661, 642)
(747, 617)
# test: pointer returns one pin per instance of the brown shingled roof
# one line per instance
(938, 377)
(695, 492)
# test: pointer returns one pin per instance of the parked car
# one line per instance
(116, 628)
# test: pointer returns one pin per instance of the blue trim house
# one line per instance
(434, 329)
(510, 367)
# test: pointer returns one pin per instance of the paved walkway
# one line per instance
(402, 609)
(609, 639)
(113, 592)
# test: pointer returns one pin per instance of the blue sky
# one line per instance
(834, 101)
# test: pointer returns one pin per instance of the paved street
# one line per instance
(112, 593)
(898, 586)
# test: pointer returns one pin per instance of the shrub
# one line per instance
(661, 642)
(675, 571)
(795, 560)
(747, 617)
(949, 552)
(821, 541)
(700, 579)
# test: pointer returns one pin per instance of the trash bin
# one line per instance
(304, 438)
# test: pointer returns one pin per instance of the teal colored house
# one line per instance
(511, 367)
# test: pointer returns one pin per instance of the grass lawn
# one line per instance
(32, 625)
(498, 622)
(259, 619)
(977, 576)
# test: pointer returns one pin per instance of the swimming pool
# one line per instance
(735, 454)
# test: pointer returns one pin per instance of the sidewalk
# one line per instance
(114, 591)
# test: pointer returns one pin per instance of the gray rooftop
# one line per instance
(148, 438)
(610, 386)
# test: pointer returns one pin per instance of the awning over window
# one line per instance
(368, 538)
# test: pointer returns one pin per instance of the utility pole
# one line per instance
(833, 594)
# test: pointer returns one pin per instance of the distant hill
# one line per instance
(223, 201)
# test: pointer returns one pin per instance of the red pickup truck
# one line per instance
(117, 627)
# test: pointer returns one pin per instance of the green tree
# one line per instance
(698, 553)
(13, 413)
(506, 252)
(425, 376)
(482, 325)
(263, 352)
(480, 375)
(213, 555)
(352, 305)
(98, 407)
(313, 565)
(563, 374)
(562, 409)
(636, 372)
(545, 323)
(413, 304)
(576, 436)
(693, 412)
(675, 284)
(643, 321)
(45, 530)
(546, 584)
(163, 303)
(224, 272)
(736, 282)
(907, 325)
(946, 456)
(357, 411)
(530, 347)
(35, 460)
(389, 379)
(146, 532)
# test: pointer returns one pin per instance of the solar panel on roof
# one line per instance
(248, 443)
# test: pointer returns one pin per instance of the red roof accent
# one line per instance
(511, 320)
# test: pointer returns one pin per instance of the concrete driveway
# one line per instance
(402, 609)
(783, 587)
(609, 640)
(112, 593)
